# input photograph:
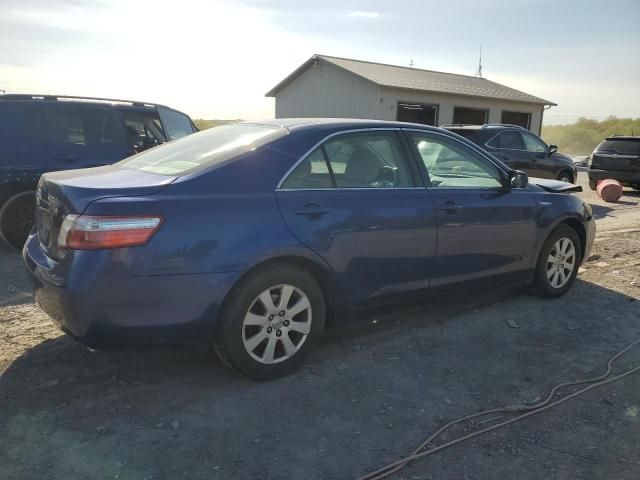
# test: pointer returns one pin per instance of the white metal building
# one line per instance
(326, 86)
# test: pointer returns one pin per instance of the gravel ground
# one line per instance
(380, 383)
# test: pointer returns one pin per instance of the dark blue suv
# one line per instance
(43, 133)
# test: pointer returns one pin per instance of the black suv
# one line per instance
(616, 157)
(41, 133)
(520, 149)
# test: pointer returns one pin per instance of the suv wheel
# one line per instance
(558, 262)
(271, 322)
(16, 218)
(565, 176)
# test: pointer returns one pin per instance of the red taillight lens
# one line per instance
(81, 232)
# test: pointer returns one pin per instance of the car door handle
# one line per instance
(312, 210)
(449, 207)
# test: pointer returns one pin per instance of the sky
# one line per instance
(217, 59)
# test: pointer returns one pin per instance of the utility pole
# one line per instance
(411, 63)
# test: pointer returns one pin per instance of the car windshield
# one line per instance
(204, 149)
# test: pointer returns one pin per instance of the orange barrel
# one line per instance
(609, 190)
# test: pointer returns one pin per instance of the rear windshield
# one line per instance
(204, 149)
(622, 147)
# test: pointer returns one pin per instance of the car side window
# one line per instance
(509, 140)
(450, 164)
(533, 143)
(176, 124)
(82, 125)
(368, 160)
(310, 173)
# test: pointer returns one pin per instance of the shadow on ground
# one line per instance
(375, 388)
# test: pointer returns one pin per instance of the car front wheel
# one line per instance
(271, 322)
(565, 177)
(558, 263)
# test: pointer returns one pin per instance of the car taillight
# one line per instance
(83, 232)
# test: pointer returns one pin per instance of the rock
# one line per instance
(512, 323)
(175, 424)
(593, 258)
(160, 425)
(602, 264)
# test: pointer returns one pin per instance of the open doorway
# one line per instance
(470, 116)
(417, 113)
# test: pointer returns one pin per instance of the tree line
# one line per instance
(582, 137)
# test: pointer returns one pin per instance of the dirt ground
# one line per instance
(380, 384)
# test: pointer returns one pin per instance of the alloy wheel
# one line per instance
(561, 262)
(277, 324)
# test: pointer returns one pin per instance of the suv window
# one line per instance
(533, 143)
(83, 125)
(176, 124)
(510, 140)
(452, 165)
(368, 160)
(620, 146)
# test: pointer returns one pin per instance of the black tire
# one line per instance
(229, 333)
(17, 216)
(566, 174)
(593, 184)
(541, 281)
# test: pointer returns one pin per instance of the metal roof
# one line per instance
(395, 76)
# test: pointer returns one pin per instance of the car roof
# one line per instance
(118, 103)
(338, 123)
(633, 138)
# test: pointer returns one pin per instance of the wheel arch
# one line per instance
(580, 230)
(316, 267)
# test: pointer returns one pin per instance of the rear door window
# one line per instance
(84, 125)
(176, 124)
(509, 140)
(368, 160)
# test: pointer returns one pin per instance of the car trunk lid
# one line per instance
(62, 193)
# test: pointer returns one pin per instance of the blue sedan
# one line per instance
(247, 237)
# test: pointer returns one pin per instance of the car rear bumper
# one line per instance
(626, 177)
(101, 304)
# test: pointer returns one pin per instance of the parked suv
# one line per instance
(520, 149)
(42, 133)
(616, 157)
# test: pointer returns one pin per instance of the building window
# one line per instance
(417, 113)
(521, 119)
(470, 116)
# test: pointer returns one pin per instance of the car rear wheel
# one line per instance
(16, 218)
(271, 322)
(565, 176)
(558, 263)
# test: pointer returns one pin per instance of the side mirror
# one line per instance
(553, 149)
(518, 179)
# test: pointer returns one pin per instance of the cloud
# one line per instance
(363, 14)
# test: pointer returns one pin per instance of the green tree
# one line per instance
(582, 137)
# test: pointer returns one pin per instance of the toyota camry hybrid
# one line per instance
(247, 237)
